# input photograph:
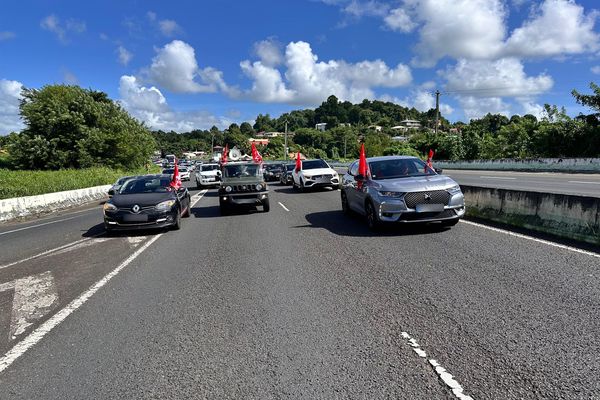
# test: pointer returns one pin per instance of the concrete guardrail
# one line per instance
(572, 165)
(30, 205)
(567, 216)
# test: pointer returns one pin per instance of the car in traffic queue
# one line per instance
(184, 173)
(119, 182)
(208, 175)
(401, 189)
(286, 175)
(272, 172)
(314, 174)
(146, 202)
(242, 185)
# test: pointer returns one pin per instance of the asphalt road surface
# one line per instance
(546, 182)
(301, 302)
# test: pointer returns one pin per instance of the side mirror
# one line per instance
(111, 192)
(359, 177)
(181, 189)
(438, 170)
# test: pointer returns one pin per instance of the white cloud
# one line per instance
(595, 69)
(477, 107)
(52, 24)
(124, 55)
(399, 20)
(151, 16)
(558, 27)
(309, 82)
(505, 77)
(421, 100)
(69, 77)
(150, 106)
(169, 28)
(530, 107)
(269, 52)
(7, 35)
(370, 8)
(175, 68)
(10, 96)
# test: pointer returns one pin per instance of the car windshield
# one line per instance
(273, 167)
(168, 171)
(399, 168)
(122, 180)
(146, 185)
(290, 167)
(210, 167)
(314, 164)
(183, 170)
(241, 170)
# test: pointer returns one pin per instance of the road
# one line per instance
(300, 302)
(546, 182)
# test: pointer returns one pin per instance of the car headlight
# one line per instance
(109, 207)
(228, 189)
(454, 190)
(307, 177)
(165, 205)
(259, 187)
(391, 194)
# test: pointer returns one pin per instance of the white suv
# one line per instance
(315, 173)
(208, 175)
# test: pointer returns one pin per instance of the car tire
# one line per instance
(109, 231)
(449, 223)
(302, 187)
(177, 224)
(223, 208)
(345, 205)
(186, 214)
(372, 220)
(266, 205)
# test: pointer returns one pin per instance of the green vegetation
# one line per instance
(71, 127)
(29, 183)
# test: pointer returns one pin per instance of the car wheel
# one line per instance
(372, 220)
(449, 223)
(223, 208)
(302, 187)
(266, 205)
(177, 223)
(345, 206)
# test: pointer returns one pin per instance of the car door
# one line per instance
(350, 187)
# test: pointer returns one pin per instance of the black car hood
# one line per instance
(141, 199)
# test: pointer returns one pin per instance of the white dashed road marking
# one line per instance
(547, 242)
(284, 207)
(497, 177)
(444, 375)
(590, 183)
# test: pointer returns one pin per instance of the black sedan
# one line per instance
(146, 202)
(272, 172)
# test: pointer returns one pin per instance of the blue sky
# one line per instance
(193, 64)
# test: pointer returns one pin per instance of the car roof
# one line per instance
(384, 158)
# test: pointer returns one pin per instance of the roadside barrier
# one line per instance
(562, 215)
(31, 205)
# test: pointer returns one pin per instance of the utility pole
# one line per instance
(285, 147)
(345, 140)
(437, 111)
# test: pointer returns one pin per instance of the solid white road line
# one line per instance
(448, 379)
(198, 196)
(521, 236)
(284, 207)
(584, 182)
(34, 337)
(47, 252)
(36, 226)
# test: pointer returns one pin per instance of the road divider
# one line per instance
(566, 216)
(31, 205)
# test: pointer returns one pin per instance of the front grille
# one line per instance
(244, 188)
(427, 216)
(142, 209)
(326, 176)
(435, 197)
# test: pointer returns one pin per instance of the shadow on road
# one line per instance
(354, 225)
(98, 230)
(291, 190)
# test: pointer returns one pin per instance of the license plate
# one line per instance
(429, 207)
(135, 218)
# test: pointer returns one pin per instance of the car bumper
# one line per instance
(208, 182)
(119, 221)
(241, 199)
(395, 210)
(322, 183)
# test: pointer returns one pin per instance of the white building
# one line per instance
(321, 126)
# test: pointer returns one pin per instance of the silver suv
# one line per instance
(401, 189)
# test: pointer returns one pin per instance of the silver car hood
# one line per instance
(415, 184)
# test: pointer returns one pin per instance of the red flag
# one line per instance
(176, 180)
(298, 163)
(429, 164)
(363, 167)
(224, 155)
(256, 155)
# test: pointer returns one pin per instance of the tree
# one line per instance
(247, 129)
(71, 127)
(589, 100)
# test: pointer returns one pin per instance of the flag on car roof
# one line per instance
(176, 180)
(363, 167)
(298, 162)
(256, 155)
(224, 155)
(429, 158)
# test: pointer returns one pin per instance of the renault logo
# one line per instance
(135, 208)
(427, 197)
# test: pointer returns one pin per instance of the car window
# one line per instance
(209, 167)
(398, 168)
(146, 185)
(314, 164)
(241, 170)
(353, 169)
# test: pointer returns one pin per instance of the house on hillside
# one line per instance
(259, 142)
(321, 126)
(377, 128)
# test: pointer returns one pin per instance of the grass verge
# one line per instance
(30, 183)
